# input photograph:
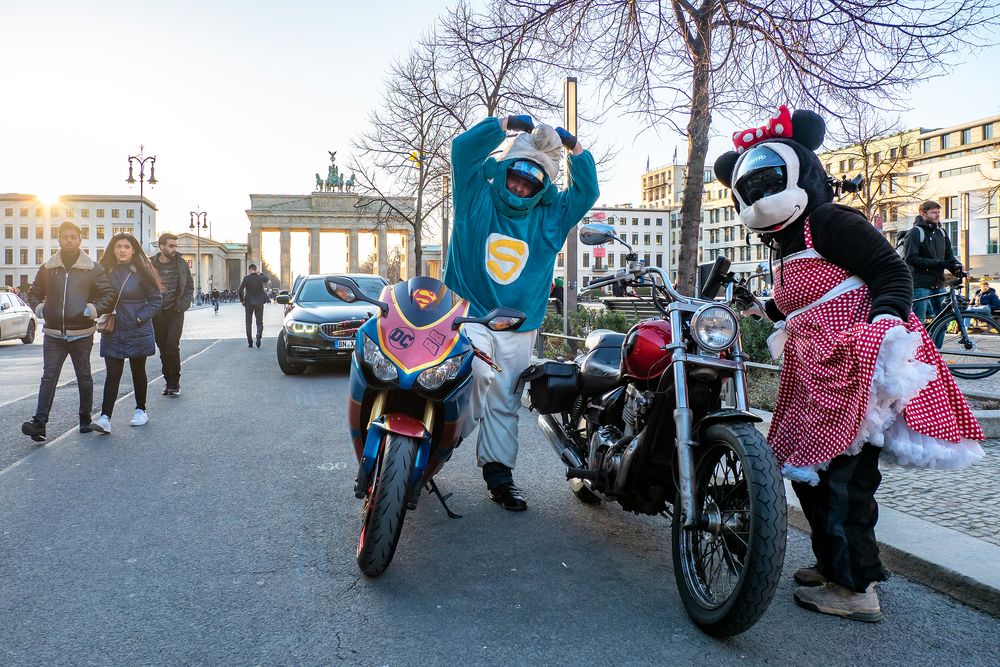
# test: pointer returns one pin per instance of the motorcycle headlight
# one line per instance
(383, 369)
(714, 327)
(301, 328)
(434, 377)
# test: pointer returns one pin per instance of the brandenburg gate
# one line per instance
(332, 207)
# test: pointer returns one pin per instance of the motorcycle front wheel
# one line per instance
(385, 504)
(727, 568)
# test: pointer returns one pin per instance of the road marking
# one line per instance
(75, 429)
(58, 386)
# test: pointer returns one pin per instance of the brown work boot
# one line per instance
(809, 576)
(834, 599)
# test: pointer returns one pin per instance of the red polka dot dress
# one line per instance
(846, 381)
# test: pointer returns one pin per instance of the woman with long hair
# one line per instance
(138, 298)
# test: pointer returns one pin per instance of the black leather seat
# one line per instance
(601, 367)
(603, 338)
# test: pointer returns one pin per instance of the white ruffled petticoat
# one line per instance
(898, 378)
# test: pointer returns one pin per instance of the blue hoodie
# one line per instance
(503, 249)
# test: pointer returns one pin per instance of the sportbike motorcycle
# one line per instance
(639, 419)
(411, 381)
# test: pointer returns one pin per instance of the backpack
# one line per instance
(901, 240)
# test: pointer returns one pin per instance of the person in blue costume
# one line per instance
(510, 222)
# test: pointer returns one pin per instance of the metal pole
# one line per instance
(569, 284)
(141, 183)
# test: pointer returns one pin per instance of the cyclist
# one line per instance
(215, 300)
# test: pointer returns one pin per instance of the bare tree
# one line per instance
(877, 149)
(673, 59)
(403, 154)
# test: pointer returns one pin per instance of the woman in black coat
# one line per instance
(138, 297)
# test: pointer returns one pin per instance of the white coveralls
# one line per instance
(494, 401)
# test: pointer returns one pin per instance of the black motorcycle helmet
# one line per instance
(762, 172)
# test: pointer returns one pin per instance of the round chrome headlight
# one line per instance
(714, 327)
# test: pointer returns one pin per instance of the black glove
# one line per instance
(568, 140)
(522, 123)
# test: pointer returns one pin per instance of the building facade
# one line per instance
(30, 228)
(222, 264)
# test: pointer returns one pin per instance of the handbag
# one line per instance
(106, 322)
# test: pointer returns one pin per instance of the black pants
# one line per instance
(114, 378)
(168, 326)
(842, 514)
(254, 310)
(54, 353)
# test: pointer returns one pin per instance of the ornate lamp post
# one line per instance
(141, 161)
(199, 221)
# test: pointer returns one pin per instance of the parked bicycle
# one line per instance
(969, 341)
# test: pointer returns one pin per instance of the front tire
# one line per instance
(385, 504)
(29, 335)
(286, 366)
(728, 568)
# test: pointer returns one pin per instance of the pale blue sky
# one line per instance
(247, 97)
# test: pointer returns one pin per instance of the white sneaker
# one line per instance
(102, 425)
(139, 418)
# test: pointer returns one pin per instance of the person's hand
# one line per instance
(567, 138)
(90, 312)
(522, 123)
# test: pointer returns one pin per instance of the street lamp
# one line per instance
(141, 161)
(199, 221)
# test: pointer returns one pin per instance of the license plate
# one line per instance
(344, 344)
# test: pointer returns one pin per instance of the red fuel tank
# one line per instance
(643, 355)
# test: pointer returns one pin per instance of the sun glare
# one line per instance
(47, 198)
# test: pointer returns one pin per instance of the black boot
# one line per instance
(35, 429)
(85, 423)
(500, 482)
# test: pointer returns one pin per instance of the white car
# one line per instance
(16, 319)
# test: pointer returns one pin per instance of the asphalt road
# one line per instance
(223, 532)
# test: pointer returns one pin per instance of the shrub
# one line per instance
(753, 335)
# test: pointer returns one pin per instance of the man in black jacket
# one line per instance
(253, 297)
(168, 324)
(69, 292)
(928, 253)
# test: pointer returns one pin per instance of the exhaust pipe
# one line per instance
(560, 442)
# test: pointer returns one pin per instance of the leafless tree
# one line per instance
(402, 156)
(675, 59)
(875, 147)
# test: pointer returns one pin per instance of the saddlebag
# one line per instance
(551, 386)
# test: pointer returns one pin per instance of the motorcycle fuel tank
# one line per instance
(644, 356)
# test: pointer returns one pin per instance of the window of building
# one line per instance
(993, 203)
(829, 167)
(8, 231)
(84, 212)
(920, 178)
(893, 152)
(586, 260)
(635, 239)
(24, 256)
(54, 211)
(100, 213)
(130, 213)
(8, 280)
(100, 254)
(635, 221)
(966, 136)
(85, 232)
(645, 239)
(659, 222)
(926, 148)
(850, 163)
(53, 232)
(843, 165)
(69, 213)
(115, 213)
(645, 221)
(39, 231)
(611, 259)
(945, 141)
(659, 239)
(8, 212)
(659, 260)
(892, 183)
(23, 231)
(645, 259)
(993, 240)
(559, 260)
(8, 256)
(621, 260)
(100, 231)
(957, 171)
(950, 207)
(121, 230)
(877, 157)
(39, 255)
(988, 131)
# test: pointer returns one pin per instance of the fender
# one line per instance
(400, 424)
(720, 416)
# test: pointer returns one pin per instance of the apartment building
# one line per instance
(30, 228)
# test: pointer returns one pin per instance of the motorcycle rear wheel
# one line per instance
(728, 568)
(385, 504)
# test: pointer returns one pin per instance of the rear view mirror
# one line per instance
(711, 275)
(348, 291)
(282, 299)
(498, 319)
(597, 233)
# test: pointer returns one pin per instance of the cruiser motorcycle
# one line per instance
(638, 418)
(411, 381)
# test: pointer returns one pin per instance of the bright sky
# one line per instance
(241, 97)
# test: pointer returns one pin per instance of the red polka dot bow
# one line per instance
(779, 126)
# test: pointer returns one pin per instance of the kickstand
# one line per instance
(432, 487)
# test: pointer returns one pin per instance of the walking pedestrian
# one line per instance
(138, 300)
(253, 297)
(168, 324)
(69, 292)
(215, 300)
(510, 221)
(928, 252)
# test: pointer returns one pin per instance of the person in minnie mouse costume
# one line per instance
(510, 222)
(861, 380)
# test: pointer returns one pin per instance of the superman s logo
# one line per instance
(506, 257)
